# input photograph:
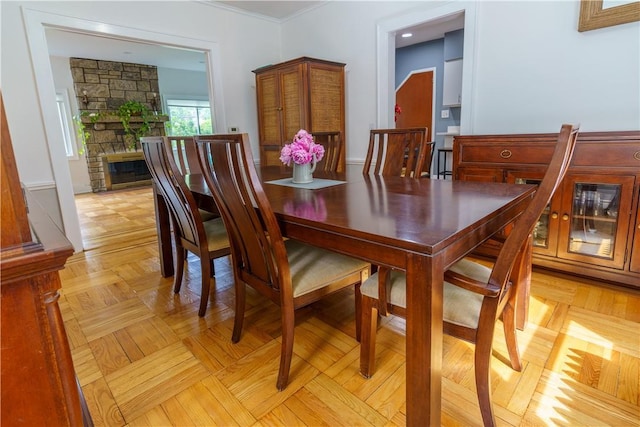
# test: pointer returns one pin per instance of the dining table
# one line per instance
(419, 226)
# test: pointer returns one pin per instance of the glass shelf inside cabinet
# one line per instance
(541, 230)
(594, 219)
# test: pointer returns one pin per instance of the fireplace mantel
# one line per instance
(113, 118)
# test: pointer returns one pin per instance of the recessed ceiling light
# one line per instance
(406, 35)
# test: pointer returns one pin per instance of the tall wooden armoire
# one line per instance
(303, 93)
(38, 382)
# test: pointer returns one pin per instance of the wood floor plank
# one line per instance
(141, 385)
(352, 410)
(177, 414)
(109, 354)
(85, 365)
(102, 406)
(109, 319)
(561, 400)
(311, 410)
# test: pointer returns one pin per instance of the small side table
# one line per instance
(443, 153)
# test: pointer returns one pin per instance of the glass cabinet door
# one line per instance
(546, 229)
(590, 229)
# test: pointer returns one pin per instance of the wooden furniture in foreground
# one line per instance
(399, 152)
(303, 93)
(591, 227)
(434, 229)
(38, 380)
(475, 296)
(205, 239)
(289, 273)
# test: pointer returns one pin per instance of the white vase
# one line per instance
(303, 174)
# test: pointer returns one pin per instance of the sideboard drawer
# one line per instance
(617, 154)
(490, 152)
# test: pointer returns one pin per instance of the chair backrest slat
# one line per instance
(399, 152)
(332, 143)
(185, 153)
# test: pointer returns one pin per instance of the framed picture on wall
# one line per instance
(596, 14)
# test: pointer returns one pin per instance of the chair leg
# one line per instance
(288, 326)
(177, 277)
(212, 268)
(483, 378)
(205, 265)
(511, 337)
(369, 328)
(241, 291)
(358, 297)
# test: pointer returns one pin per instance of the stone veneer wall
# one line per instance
(108, 85)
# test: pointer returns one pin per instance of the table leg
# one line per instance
(163, 228)
(424, 340)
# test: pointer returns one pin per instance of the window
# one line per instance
(64, 115)
(189, 117)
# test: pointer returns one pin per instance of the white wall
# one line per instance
(536, 71)
(532, 69)
(243, 43)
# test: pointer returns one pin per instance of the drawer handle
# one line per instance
(565, 217)
(636, 155)
(554, 215)
(505, 154)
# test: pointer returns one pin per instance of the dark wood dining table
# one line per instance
(420, 226)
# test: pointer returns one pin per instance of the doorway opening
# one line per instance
(36, 23)
(433, 17)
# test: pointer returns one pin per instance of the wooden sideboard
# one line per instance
(38, 380)
(592, 225)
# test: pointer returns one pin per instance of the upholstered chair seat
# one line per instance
(460, 306)
(313, 268)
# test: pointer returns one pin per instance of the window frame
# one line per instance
(169, 98)
(70, 141)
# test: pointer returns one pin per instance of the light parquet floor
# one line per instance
(145, 358)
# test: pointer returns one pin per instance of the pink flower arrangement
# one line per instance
(301, 150)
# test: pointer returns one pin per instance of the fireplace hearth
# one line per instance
(125, 170)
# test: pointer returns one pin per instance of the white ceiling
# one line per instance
(279, 10)
(76, 45)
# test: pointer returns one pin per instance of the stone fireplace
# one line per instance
(101, 88)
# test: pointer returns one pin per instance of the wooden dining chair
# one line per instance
(290, 273)
(186, 155)
(475, 296)
(398, 152)
(333, 147)
(206, 239)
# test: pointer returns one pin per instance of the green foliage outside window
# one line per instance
(187, 121)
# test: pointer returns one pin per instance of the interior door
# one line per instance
(415, 99)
